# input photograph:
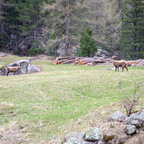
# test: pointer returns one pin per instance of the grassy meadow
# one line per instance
(62, 99)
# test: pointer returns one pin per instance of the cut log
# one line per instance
(79, 60)
(68, 61)
(66, 57)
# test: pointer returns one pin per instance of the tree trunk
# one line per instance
(16, 41)
(68, 44)
(0, 17)
(120, 7)
(34, 37)
(34, 34)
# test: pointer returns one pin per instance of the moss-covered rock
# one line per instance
(93, 134)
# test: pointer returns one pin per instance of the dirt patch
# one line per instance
(136, 139)
(41, 57)
(12, 134)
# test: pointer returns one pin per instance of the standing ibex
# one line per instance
(121, 63)
(118, 64)
(12, 69)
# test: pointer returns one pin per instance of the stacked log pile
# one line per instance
(91, 61)
(140, 62)
(64, 60)
(80, 60)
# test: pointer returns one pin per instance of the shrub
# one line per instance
(36, 48)
(87, 44)
(130, 102)
(35, 51)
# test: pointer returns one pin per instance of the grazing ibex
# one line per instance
(12, 69)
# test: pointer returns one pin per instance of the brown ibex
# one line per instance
(12, 69)
(121, 63)
(118, 64)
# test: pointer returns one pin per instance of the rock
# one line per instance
(135, 119)
(117, 116)
(77, 139)
(101, 142)
(137, 123)
(33, 69)
(61, 50)
(102, 53)
(131, 129)
(93, 134)
(142, 115)
(26, 67)
(128, 120)
(2, 54)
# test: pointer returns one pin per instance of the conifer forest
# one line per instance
(68, 27)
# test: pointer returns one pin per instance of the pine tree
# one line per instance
(87, 44)
(132, 36)
(11, 23)
(22, 20)
(30, 16)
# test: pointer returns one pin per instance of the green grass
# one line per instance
(49, 104)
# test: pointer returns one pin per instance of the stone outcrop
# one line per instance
(25, 68)
(118, 130)
(117, 116)
(93, 134)
(131, 129)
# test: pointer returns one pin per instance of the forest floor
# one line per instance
(46, 107)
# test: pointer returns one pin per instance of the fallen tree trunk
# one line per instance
(66, 57)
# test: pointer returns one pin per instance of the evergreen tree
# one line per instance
(132, 36)
(22, 20)
(87, 44)
(11, 23)
(30, 16)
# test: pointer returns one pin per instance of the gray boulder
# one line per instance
(131, 129)
(77, 139)
(117, 116)
(26, 67)
(128, 120)
(142, 115)
(101, 142)
(102, 53)
(93, 134)
(137, 123)
(135, 119)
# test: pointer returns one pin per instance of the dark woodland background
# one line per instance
(56, 27)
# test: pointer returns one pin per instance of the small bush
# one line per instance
(18, 52)
(130, 102)
(36, 48)
(33, 51)
(88, 46)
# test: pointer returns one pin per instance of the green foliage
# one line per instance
(29, 15)
(87, 44)
(52, 36)
(57, 14)
(3, 41)
(36, 48)
(18, 52)
(35, 51)
(132, 36)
